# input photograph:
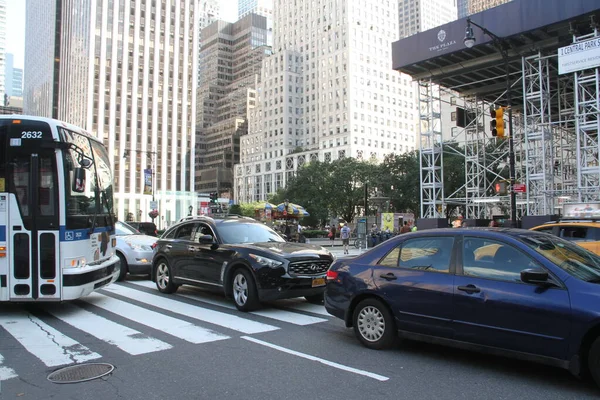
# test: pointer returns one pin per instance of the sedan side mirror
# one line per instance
(536, 276)
(206, 239)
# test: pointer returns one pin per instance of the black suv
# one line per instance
(241, 257)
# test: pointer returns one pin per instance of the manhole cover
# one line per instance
(80, 373)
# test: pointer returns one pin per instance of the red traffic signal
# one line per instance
(501, 188)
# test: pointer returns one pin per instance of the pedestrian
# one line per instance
(414, 228)
(332, 235)
(345, 236)
(457, 223)
(405, 228)
(494, 224)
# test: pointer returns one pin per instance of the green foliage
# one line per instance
(235, 209)
(248, 209)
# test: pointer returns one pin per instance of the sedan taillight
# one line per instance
(332, 275)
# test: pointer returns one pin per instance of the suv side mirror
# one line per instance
(536, 276)
(206, 239)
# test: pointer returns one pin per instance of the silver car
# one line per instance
(134, 250)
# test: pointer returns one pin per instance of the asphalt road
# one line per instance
(195, 345)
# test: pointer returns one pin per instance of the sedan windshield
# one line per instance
(122, 229)
(235, 233)
(570, 257)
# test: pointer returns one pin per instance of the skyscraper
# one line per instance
(260, 7)
(230, 62)
(126, 71)
(468, 7)
(2, 50)
(13, 81)
(421, 15)
(327, 92)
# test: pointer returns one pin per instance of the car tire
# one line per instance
(243, 289)
(315, 298)
(593, 361)
(163, 277)
(123, 266)
(374, 324)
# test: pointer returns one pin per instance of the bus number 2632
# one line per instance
(31, 135)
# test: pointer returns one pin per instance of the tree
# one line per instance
(345, 185)
(401, 171)
(235, 209)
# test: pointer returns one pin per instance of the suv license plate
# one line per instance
(318, 282)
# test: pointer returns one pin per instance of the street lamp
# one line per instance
(153, 213)
(191, 208)
(500, 45)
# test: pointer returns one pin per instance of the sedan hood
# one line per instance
(139, 239)
(287, 249)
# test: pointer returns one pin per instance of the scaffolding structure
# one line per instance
(555, 140)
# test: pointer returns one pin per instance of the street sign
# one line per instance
(520, 188)
(154, 205)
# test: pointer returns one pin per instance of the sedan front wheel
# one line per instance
(374, 324)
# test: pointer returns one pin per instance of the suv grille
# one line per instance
(310, 267)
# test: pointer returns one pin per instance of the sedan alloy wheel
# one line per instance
(374, 324)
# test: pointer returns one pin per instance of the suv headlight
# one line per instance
(267, 262)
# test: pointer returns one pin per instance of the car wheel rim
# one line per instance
(371, 324)
(162, 276)
(240, 289)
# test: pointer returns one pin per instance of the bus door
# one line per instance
(33, 226)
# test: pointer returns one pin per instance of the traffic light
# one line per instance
(213, 197)
(497, 123)
(501, 188)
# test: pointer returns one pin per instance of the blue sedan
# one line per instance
(511, 292)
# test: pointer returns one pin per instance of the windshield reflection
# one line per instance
(571, 258)
(235, 233)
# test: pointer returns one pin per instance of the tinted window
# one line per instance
(431, 254)
(203, 229)
(184, 232)
(575, 233)
(232, 232)
(485, 258)
(391, 259)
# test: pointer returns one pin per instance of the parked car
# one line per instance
(584, 232)
(147, 228)
(134, 250)
(241, 258)
(512, 292)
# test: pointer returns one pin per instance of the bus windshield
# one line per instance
(95, 197)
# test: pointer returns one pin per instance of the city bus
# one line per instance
(57, 223)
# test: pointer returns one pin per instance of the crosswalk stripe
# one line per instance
(273, 313)
(203, 314)
(172, 326)
(127, 339)
(304, 306)
(43, 341)
(5, 372)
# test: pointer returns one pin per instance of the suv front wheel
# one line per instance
(243, 288)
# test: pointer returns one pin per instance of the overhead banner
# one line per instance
(579, 56)
(148, 181)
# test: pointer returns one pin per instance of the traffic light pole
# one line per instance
(498, 42)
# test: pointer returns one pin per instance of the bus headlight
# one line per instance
(77, 262)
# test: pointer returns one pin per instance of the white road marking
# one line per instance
(273, 313)
(127, 339)
(5, 372)
(322, 361)
(301, 305)
(203, 314)
(172, 326)
(43, 341)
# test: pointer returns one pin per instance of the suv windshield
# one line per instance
(233, 232)
(571, 258)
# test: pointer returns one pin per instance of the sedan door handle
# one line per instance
(469, 289)
(389, 276)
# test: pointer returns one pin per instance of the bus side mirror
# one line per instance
(78, 180)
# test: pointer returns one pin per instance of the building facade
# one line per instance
(327, 92)
(128, 73)
(230, 60)
(13, 78)
(468, 7)
(260, 7)
(421, 15)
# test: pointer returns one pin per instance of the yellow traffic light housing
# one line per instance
(497, 123)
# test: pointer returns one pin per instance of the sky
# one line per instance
(15, 25)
